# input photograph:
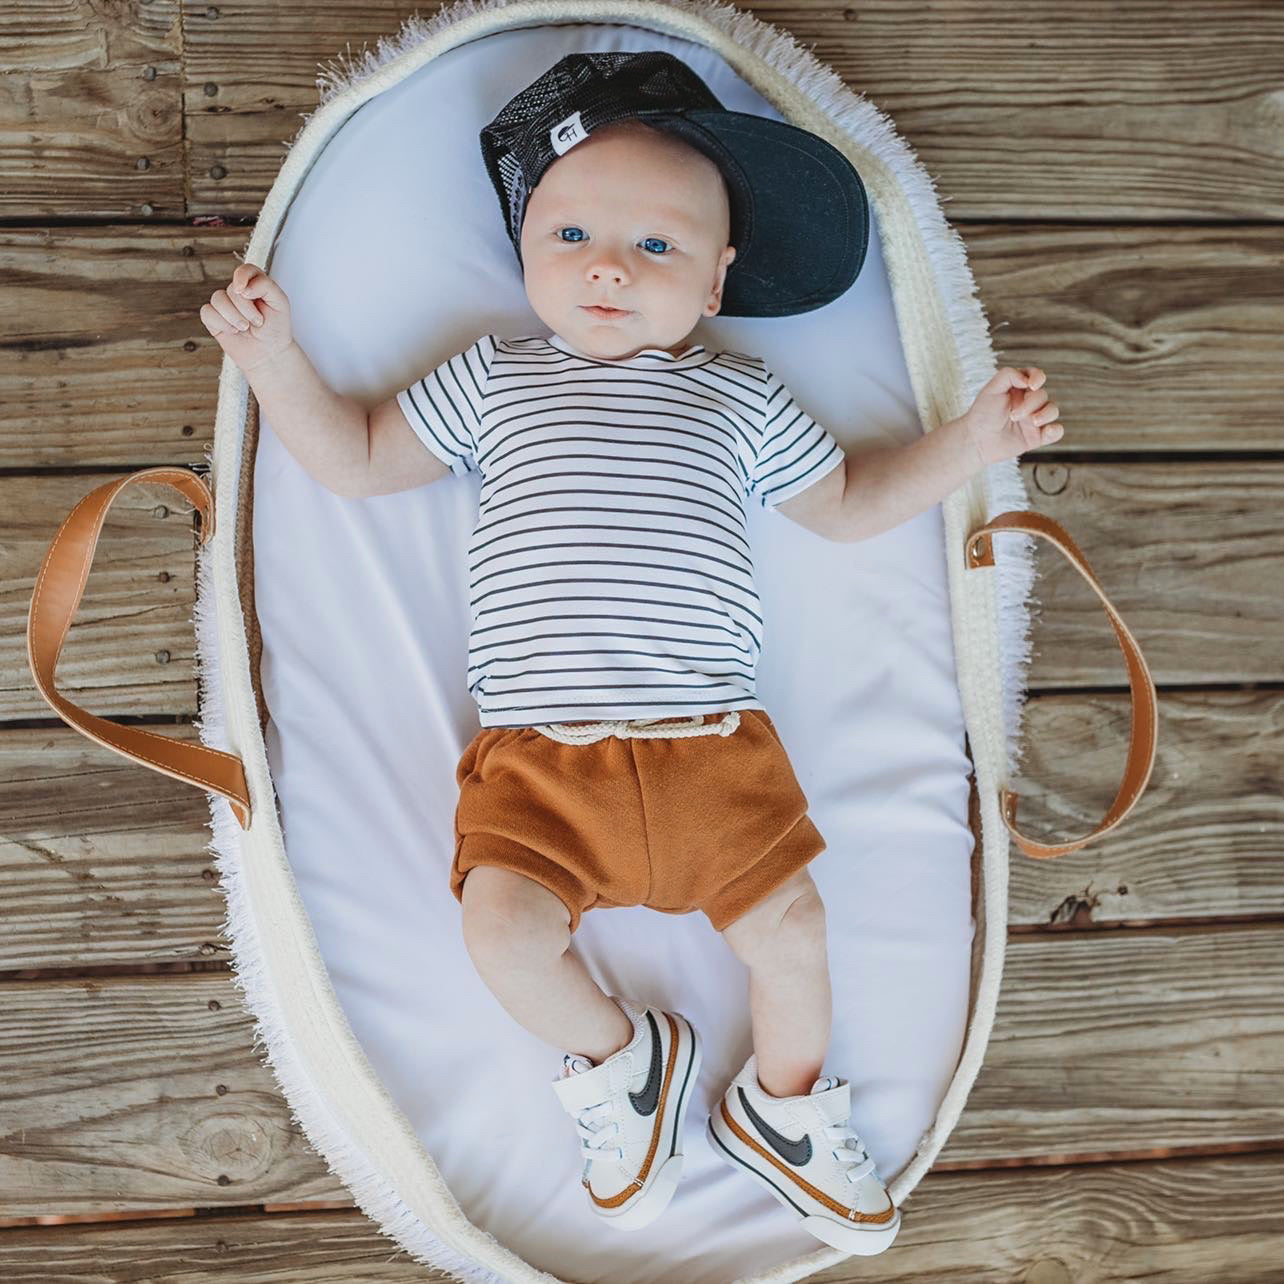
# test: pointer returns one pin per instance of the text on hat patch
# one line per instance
(567, 133)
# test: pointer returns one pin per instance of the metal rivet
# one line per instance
(210, 89)
(160, 511)
(162, 657)
(142, 163)
(189, 346)
(148, 208)
(221, 1089)
(211, 12)
(163, 576)
(187, 430)
(149, 73)
(213, 1005)
(217, 171)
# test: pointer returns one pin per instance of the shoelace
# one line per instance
(844, 1138)
(594, 1131)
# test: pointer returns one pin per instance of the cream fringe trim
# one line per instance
(332, 1090)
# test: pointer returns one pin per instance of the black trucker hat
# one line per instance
(799, 213)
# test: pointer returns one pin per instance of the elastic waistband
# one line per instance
(570, 733)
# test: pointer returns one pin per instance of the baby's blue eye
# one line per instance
(578, 239)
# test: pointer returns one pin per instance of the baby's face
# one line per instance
(635, 220)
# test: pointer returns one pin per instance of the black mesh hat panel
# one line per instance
(799, 214)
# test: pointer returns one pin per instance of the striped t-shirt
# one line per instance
(610, 573)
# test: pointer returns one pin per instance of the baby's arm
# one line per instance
(886, 487)
(326, 432)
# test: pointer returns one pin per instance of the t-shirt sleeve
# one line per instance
(792, 451)
(445, 407)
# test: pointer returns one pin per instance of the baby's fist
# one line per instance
(1011, 414)
(250, 319)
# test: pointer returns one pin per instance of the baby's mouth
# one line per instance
(606, 314)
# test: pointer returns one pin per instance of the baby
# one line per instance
(623, 756)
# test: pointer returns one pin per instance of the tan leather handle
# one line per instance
(59, 587)
(1145, 717)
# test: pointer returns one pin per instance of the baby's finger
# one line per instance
(244, 306)
(229, 311)
(261, 287)
(1030, 403)
(214, 321)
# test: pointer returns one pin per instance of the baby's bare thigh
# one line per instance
(506, 899)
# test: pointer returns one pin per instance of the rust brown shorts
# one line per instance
(707, 822)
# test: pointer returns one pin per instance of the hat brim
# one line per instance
(803, 213)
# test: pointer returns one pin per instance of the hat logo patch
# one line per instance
(565, 134)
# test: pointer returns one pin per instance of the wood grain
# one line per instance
(102, 861)
(1203, 842)
(1190, 554)
(1104, 1044)
(1128, 1042)
(91, 110)
(1090, 111)
(132, 647)
(1084, 1225)
(1153, 338)
(142, 1092)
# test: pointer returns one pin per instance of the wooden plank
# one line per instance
(1190, 554)
(102, 861)
(142, 1092)
(104, 325)
(1056, 116)
(1084, 1224)
(91, 110)
(106, 359)
(132, 647)
(1199, 591)
(1152, 338)
(1117, 1043)
(1206, 837)
(1105, 1044)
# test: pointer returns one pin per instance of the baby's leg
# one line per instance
(518, 936)
(782, 941)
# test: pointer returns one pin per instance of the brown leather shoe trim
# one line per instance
(613, 1201)
(847, 1214)
(1144, 733)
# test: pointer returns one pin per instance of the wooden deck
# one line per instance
(1115, 171)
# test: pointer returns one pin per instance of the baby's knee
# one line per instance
(507, 914)
(795, 937)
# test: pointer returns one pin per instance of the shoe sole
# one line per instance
(848, 1236)
(655, 1195)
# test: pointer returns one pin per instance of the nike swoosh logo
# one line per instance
(645, 1102)
(795, 1152)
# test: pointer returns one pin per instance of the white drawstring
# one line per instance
(638, 728)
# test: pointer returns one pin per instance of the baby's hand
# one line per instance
(1003, 421)
(250, 332)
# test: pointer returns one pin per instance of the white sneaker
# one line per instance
(803, 1150)
(629, 1110)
